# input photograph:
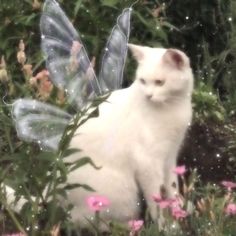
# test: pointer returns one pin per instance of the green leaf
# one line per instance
(71, 151)
(219, 116)
(77, 7)
(73, 186)
(109, 3)
(170, 26)
(45, 156)
(62, 168)
(81, 162)
(60, 192)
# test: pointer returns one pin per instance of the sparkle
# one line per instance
(187, 17)
(173, 226)
(230, 19)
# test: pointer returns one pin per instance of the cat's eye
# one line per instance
(159, 82)
(142, 81)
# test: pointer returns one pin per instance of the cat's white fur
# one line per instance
(136, 137)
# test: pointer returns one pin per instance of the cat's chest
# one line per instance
(164, 127)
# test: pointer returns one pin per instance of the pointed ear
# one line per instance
(137, 51)
(176, 58)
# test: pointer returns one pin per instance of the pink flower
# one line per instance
(42, 75)
(180, 170)
(97, 203)
(230, 209)
(178, 213)
(157, 198)
(162, 202)
(165, 202)
(228, 184)
(174, 204)
(135, 226)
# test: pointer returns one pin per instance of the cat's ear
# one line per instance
(137, 51)
(176, 58)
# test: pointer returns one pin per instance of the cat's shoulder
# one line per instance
(116, 98)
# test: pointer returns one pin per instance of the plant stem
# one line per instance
(13, 217)
(7, 132)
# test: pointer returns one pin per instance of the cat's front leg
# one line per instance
(151, 179)
(170, 178)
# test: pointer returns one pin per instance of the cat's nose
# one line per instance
(149, 96)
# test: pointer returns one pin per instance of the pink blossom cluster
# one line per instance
(174, 204)
(230, 209)
(97, 203)
(135, 226)
(228, 184)
(180, 170)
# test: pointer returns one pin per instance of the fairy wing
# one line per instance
(70, 70)
(67, 60)
(113, 62)
(39, 122)
(66, 57)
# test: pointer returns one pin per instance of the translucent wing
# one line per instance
(66, 58)
(111, 73)
(40, 122)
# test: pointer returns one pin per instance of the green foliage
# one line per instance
(206, 207)
(207, 106)
(42, 182)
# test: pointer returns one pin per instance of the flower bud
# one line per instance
(27, 69)
(3, 72)
(3, 75)
(22, 45)
(21, 58)
(33, 82)
(36, 5)
(60, 97)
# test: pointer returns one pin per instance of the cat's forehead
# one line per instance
(152, 67)
(155, 54)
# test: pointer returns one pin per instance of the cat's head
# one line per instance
(163, 75)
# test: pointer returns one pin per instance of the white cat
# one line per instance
(136, 137)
